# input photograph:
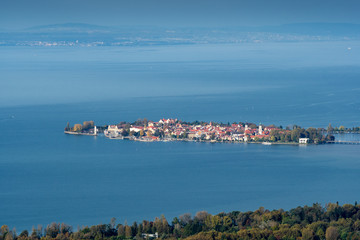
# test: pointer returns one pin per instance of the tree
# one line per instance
(77, 128)
(113, 222)
(209, 222)
(37, 232)
(216, 222)
(142, 133)
(134, 229)
(4, 229)
(88, 125)
(121, 230)
(165, 225)
(330, 128)
(227, 222)
(332, 233)
(128, 232)
(24, 234)
(307, 234)
(52, 230)
(201, 216)
(125, 132)
(64, 228)
(185, 218)
(9, 236)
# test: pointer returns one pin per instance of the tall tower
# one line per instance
(260, 130)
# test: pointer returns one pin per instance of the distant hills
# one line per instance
(70, 34)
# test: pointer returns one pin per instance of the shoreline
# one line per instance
(79, 133)
(213, 142)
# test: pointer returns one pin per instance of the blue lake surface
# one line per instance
(47, 176)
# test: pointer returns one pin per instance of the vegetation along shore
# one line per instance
(308, 223)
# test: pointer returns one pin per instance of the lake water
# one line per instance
(48, 176)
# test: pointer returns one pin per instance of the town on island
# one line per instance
(177, 130)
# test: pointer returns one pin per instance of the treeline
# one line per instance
(308, 223)
(80, 127)
(343, 129)
(315, 135)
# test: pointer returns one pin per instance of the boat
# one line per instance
(266, 143)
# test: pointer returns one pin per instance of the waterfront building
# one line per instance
(303, 140)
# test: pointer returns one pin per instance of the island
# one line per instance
(178, 130)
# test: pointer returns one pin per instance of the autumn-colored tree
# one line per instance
(77, 127)
(52, 230)
(307, 234)
(185, 219)
(128, 232)
(9, 236)
(164, 225)
(201, 216)
(121, 230)
(88, 124)
(332, 233)
(4, 229)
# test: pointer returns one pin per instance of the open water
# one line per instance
(47, 176)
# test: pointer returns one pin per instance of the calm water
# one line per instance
(47, 176)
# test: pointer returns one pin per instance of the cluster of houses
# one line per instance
(170, 129)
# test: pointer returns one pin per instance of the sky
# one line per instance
(17, 14)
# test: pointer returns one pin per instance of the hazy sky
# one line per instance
(27, 13)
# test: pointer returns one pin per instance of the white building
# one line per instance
(149, 235)
(112, 131)
(304, 140)
(136, 129)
